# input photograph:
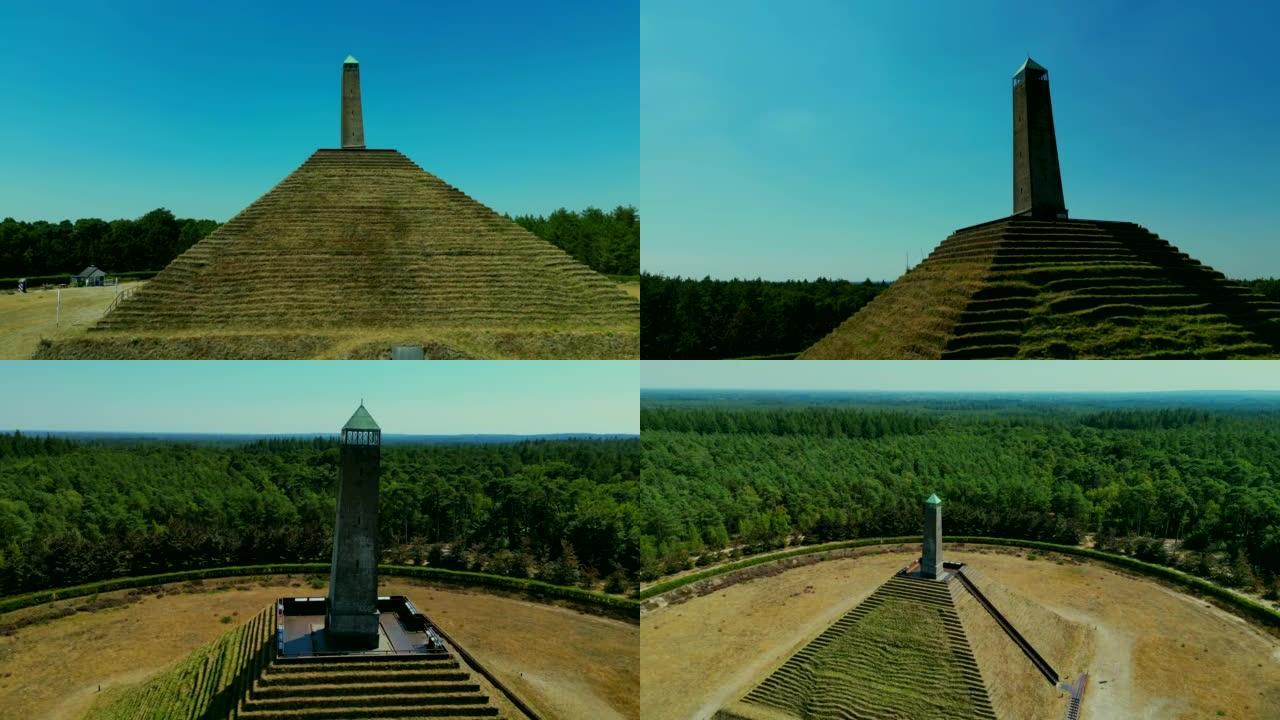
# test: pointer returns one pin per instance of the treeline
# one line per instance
(74, 512)
(1267, 287)
(687, 319)
(822, 422)
(1148, 419)
(1194, 489)
(608, 243)
(43, 248)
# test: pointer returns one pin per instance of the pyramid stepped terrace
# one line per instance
(1027, 288)
(927, 643)
(902, 652)
(400, 686)
(359, 251)
(1039, 285)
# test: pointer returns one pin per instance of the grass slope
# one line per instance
(912, 318)
(1021, 288)
(1018, 690)
(209, 683)
(1057, 639)
(356, 251)
(900, 653)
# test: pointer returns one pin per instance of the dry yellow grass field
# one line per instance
(630, 288)
(25, 319)
(1151, 652)
(564, 663)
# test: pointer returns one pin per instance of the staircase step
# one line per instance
(402, 712)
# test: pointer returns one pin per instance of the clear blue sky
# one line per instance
(439, 398)
(972, 376)
(793, 140)
(111, 109)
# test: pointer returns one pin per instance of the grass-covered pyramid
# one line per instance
(358, 251)
(918, 648)
(1022, 287)
(1039, 285)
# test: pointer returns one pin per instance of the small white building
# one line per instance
(90, 276)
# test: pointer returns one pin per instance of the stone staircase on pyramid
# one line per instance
(393, 686)
(787, 688)
(1021, 287)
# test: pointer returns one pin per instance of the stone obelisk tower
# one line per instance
(352, 116)
(351, 616)
(1037, 180)
(931, 559)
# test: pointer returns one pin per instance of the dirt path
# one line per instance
(1111, 670)
(564, 663)
(78, 701)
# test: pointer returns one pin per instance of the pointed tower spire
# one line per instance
(352, 115)
(1037, 180)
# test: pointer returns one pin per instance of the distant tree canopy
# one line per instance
(687, 319)
(147, 243)
(1267, 287)
(608, 243)
(1194, 488)
(77, 511)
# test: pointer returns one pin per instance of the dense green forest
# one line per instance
(687, 319)
(74, 512)
(148, 243)
(1194, 488)
(608, 243)
(1267, 287)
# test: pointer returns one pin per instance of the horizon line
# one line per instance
(972, 392)
(315, 434)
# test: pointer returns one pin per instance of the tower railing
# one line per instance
(361, 437)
